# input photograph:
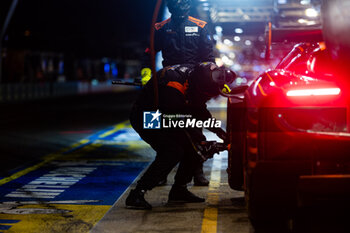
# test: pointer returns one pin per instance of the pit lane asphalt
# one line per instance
(106, 156)
(87, 133)
(33, 129)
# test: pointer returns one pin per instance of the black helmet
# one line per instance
(222, 76)
(179, 8)
(209, 79)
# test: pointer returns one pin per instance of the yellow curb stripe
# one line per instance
(210, 221)
(210, 218)
(122, 125)
(55, 155)
(81, 218)
(47, 159)
(25, 171)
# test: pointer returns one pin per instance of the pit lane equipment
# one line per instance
(207, 149)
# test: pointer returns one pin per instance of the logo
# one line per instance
(151, 120)
(157, 120)
(192, 34)
(191, 29)
(169, 31)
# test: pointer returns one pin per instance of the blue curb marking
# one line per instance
(4, 227)
(104, 184)
(8, 221)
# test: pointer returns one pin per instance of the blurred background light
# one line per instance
(228, 42)
(107, 68)
(232, 55)
(305, 2)
(218, 29)
(239, 30)
(114, 70)
(311, 12)
(227, 61)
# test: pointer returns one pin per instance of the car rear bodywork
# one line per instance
(290, 135)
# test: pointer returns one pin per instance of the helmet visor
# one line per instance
(223, 76)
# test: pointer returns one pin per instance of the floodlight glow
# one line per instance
(307, 22)
(218, 29)
(227, 61)
(305, 2)
(311, 12)
(228, 42)
(232, 55)
(239, 30)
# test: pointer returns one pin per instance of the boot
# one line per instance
(199, 178)
(136, 200)
(180, 194)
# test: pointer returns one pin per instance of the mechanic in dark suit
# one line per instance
(184, 41)
(184, 91)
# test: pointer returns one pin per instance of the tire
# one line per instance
(236, 132)
(263, 214)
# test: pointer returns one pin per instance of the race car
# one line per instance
(289, 133)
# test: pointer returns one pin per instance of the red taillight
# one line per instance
(314, 92)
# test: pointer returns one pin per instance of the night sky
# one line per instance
(89, 28)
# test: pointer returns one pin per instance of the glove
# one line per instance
(146, 74)
(226, 89)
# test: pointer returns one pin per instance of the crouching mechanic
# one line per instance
(184, 91)
(183, 40)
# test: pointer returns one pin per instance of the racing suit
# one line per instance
(181, 41)
(184, 42)
(173, 145)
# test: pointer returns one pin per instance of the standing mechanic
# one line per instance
(184, 41)
(184, 91)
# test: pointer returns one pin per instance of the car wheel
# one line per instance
(236, 132)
